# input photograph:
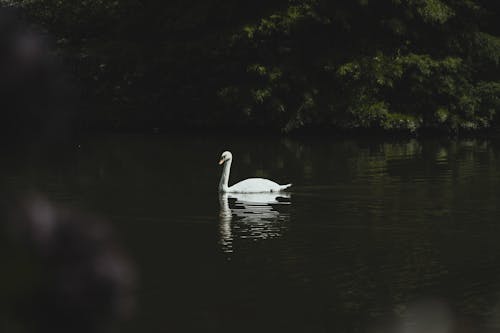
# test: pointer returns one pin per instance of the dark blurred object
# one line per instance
(82, 281)
(35, 96)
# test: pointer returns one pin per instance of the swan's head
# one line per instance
(226, 156)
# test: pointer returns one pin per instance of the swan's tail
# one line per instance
(284, 187)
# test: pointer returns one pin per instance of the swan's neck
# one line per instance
(224, 179)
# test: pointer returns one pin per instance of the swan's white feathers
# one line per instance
(255, 185)
(251, 185)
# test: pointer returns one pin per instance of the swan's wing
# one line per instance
(255, 185)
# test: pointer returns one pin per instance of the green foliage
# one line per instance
(433, 11)
(401, 65)
(394, 65)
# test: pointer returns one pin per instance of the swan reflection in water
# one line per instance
(251, 216)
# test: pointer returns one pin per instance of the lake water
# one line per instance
(375, 236)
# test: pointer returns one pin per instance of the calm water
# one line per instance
(374, 237)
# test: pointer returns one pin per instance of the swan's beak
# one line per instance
(221, 161)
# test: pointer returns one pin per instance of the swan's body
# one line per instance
(256, 185)
(251, 185)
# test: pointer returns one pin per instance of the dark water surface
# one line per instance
(374, 237)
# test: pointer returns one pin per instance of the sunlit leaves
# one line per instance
(435, 11)
(487, 46)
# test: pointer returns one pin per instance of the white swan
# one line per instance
(251, 185)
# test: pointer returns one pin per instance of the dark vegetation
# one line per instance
(399, 65)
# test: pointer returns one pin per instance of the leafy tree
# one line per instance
(371, 64)
(400, 65)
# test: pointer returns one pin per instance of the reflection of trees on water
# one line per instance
(377, 160)
(378, 223)
(419, 177)
(413, 219)
(252, 216)
(103, 163)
